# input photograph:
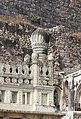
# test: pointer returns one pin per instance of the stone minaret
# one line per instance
(39, 43)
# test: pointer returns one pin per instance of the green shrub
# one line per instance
(35, 18)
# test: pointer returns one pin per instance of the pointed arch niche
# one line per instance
(78, 96)
(57, 96)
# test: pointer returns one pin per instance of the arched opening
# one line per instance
(66, 90)
(78, 98)
(66, 84)
(56, 99)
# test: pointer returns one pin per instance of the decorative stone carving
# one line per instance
(50, 83)
(44, 82)
(1, 80)
(39, 41)
(14, 80)
(34, 56)
(20, 81)
(26, 81)
(27, 58)
(7, 80)
(56, 81)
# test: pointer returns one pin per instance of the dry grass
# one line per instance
(12, 20)
(78, 34)
(16, 20)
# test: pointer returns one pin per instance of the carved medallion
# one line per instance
(26, 81)
(20, 81)
(14, 80)
(1, 80)
(7, 80)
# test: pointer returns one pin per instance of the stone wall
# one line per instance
(29, 115)
(45, 13)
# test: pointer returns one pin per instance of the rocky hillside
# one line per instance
(15, 41)
(66, 48)
(45, 13)
(61, 18)
(15, 44)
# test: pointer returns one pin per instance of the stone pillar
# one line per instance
(63, 104)
(7, 96)
(50, 60)
(71, 95)
(13, 69)
(62, 97)
(25, 98)
(35, 69)
(51, 97)
(39, 43)
(35, 74)
(19, 68)
(7, 66)
(19, 97)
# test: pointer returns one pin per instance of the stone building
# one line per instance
(40, 77)
(26, 88)
(36, 88)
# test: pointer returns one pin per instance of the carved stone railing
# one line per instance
(15, 74)
(19, 81)
(44, 81)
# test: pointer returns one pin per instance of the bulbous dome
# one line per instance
(40, 40)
